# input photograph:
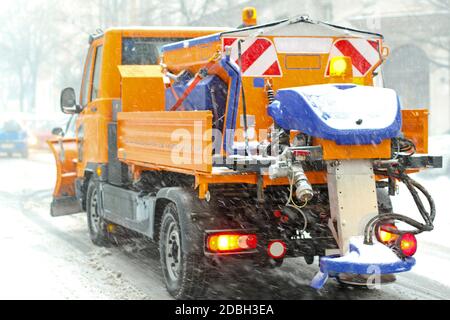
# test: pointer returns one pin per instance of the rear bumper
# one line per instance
(294, 248)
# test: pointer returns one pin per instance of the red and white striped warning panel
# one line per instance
(259, 57)
(365, 54)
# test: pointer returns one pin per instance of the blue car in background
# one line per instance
(13, 139)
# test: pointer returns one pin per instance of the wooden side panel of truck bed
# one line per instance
(174, 141)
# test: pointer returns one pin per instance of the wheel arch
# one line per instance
(186, 203)
(90, 173)
(84, 184)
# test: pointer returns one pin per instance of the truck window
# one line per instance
(97, 71)
(71, 126)
(86, 80)
(144, 51)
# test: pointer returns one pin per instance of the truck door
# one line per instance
(64, 149)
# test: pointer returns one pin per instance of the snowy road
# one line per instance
(46, 258)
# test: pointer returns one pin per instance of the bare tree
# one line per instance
(47, 39)
(27, 42)
(190, 12)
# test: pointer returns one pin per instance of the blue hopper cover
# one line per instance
(347, 114)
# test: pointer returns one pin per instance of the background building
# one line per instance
(416, 31)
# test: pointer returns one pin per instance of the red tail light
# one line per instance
(277, 214)
(385, 234)
(407, 243)
(232, 242)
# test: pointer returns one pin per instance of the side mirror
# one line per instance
(58, 132)
(69, 102)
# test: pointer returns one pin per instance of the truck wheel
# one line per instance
(184, 273)
(97, 225)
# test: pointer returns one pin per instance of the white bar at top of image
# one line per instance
(303, 45)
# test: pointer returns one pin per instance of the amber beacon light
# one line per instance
(341, 67)
(249, 17)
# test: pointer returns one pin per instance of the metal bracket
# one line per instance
(353, 198)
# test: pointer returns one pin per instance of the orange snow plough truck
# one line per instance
(262, 144)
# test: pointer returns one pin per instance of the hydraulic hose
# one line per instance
(413, 187)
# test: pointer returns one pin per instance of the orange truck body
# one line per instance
(136, 161)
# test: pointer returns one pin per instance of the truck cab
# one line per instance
(78, 157)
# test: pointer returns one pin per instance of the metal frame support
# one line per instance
(353, 198)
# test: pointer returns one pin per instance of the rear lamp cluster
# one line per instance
(405, 243)
(237, 243)
(408, 244)
(231, 243)
(385, 234)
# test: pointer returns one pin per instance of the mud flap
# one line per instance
(65, 206)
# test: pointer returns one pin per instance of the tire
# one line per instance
(96, 224)
(185, 274)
